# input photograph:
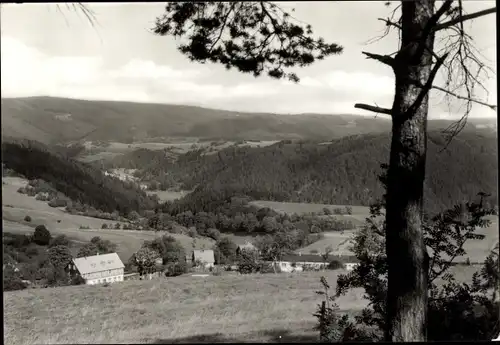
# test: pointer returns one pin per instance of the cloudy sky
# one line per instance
(46, 52)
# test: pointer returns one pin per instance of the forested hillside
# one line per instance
(76, 180)
(342, 172)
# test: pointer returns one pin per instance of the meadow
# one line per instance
(16, 206)
(242, 308)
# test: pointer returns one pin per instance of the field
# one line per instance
(244, 308)
(168, 195)
(16, 206)
(358, 216)
(176, 147)
(339, 242)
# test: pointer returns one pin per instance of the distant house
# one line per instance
(98, 269)
(205, 257)
(297, 262)
(246, 246)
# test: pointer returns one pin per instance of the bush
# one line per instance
(117, 226)
(175, 269)
(57, 202)
(41, 235)
(335, 265)
(27, 219)
(213, 234)
(60, 240)
(104, 226)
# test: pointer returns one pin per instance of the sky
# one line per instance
(46, 52)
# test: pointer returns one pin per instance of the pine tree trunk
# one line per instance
(406, 251)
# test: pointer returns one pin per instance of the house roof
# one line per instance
(204, 255)
(98, 263)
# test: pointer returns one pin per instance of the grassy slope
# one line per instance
(211, 309)
(232, 308)
(16, 206)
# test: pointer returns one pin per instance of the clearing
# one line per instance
(358, 216)
(252, 308)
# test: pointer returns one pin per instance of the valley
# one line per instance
(306, 197)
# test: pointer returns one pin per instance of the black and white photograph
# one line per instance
(249, 172)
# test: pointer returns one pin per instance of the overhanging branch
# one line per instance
(375, 109)
(491, 106)
(385, 59)
(464, 18)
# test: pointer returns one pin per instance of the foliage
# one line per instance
(225, 251)
(457, 311)
(240, 35)
(41, 236)
(12, 279)
(174, 269)
(78, 181)
(335, 265)
(342, 173)
(248, 262)
(60, 240)
(27, 218)
(145, 260)
(60, 256)
(168, 248)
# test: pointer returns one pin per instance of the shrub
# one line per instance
(58, 202)
(41, 236)
(327, 211)
(213, 234)
(191, 232)
(175, 269)
(84, 227)
(117, 226)
(27, 219)
(104, 226)
(60, 240)
(335, 265)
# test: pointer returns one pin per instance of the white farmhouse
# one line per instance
(98, 269)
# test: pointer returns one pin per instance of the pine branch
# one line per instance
(491, 106)
(464, 18)
(385, 59)
(375, 109)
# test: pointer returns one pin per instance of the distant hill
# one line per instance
(341, 172)
(61, 120)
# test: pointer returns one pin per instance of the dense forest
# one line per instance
(78, 181)
(343, 171)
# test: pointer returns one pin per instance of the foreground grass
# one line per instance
(244, 308)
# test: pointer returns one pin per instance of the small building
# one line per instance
(299, 262)
(205, 257)
(98, 269)
(246, 246)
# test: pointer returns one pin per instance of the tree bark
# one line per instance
(406, 251)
